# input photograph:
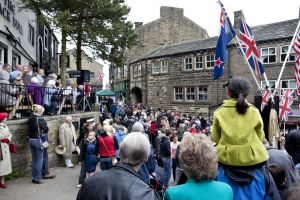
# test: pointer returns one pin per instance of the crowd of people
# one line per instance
(44, 90)
(134, 151)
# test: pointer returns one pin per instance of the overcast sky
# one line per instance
(206, 13)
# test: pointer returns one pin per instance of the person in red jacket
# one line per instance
(108, 144)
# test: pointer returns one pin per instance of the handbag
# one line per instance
(44, 145)
(113, 158)
(12, 148)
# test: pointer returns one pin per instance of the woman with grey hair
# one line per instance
(199, 161)
(122, 180)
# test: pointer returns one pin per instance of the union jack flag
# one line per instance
(297, 64)
(100, 76)
(266, 95)
(250, 49)
(285, 105)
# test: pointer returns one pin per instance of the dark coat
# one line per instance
(120, 182)
(292, 145)
(35, 123)
(165, 147)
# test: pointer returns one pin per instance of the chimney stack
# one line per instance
(237, 20)
(138, 24)
(166, 12)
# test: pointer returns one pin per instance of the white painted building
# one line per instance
(18, 33)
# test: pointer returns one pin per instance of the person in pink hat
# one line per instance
(5, 159)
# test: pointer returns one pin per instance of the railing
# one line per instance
(17, 100)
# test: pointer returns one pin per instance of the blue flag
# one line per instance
(226, 34)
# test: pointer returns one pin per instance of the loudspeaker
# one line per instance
(85, 76)
(265, 114)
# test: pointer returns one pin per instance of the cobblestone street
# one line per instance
(63, 187)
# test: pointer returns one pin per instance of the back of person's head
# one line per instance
(134, 149)
(293, 192)
(239, 89)
(198, 157)
(277, 173)
(34, 80)
(38, 109)
(138, 127)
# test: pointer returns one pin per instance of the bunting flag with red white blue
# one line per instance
(297, 63)
(227, 33)
(250, 49)
(266, 95)
(285, 104)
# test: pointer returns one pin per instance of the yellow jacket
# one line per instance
(239, 137)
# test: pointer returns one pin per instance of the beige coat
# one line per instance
(5, 160)
(67, 138)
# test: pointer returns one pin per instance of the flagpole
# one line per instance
(286, 58)
(241, 49)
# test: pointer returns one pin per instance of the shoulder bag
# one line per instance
(113, 158)
(45, 144)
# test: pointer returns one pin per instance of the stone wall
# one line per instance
(19, 129)
(172, 27)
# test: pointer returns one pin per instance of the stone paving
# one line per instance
(63, 187)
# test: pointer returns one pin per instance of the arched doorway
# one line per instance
(136, 95)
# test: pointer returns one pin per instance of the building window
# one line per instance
(155, 68)
(178, 94)
(190, 94)
(1, 56)
(268, 55)
(283, 53)
(120, 72)
(46, 37)
(16, 59)
(139, 70)
(31, 35)
(92, 74)
(271, 84)
(53, 52)
(210, 61)
(199, 62)
(164, 66)
(188, 63)
(135, 71)
(125, 71)
(202, 93)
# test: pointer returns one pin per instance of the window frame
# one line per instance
(179, 93)
(275, 54)
(202, 92)
(263, 84)
(190, 94)
(2, 56)
(31, 35)
(139, 73)
(135, 71)
(190, 58)
(292, 53)
(156, 65)
(46, 38)
(202, 65)
(165, 66)
(125, 71)
(289, 80)
(210, 55)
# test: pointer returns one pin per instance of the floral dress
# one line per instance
(5, 159)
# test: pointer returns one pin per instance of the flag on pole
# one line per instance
(266, 95)
(250, 49)
(285, 105)
(227, 33)
(297, 63)
(100, 76)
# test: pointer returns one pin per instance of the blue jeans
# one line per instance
(167, 162)
(105, 163)
(37, 159)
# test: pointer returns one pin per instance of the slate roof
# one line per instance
(274, 31)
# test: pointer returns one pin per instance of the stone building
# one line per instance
(87, 63)
(172, 27)
(180, 76)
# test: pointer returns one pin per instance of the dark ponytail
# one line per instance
(241, 105)
(239, 88)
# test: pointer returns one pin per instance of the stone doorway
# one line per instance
(136, 95)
